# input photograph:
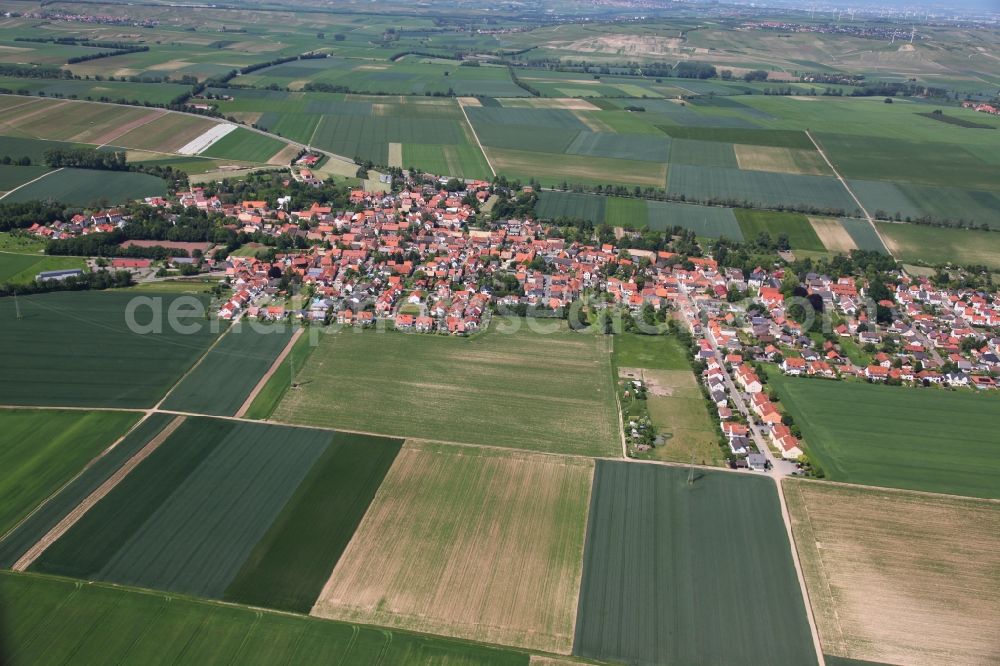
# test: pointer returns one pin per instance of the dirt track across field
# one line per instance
(241, 412)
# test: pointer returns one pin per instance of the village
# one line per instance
(413, 261)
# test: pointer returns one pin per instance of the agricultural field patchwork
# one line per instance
(833, 235)
(930, 439)
(705, 221)
(40, 450)
(223, 509)
(99, 623)
(863, 235)
(106, 463)
(76, 349)
(659, 580)
(558, 384)
(758, 188)
(899, 577)
(471, 542)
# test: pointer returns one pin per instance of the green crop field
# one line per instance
(801, 235)
(289, 566)
(189, 532)
(22, 268)
(35, 149)
(702, 153)
(915, 201)
(572, 205)
(52, 620)
(863, 235)
(896, 160)
(463, 390)
(242, 144)
(40, 450)
(224, 503)
(706, 221)
(624, 146)
(688, 573)
(86, 186)
(16, 542)
(932, 440)
(940, 245)
(15, 176)
(98, 91)
(759, 188)
(230, 371)
(750, 137)
(75, 348)
(276, 386)
(622, 212)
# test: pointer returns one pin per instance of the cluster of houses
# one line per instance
(936, 336)
(101, 221)
(982, 107)
(409, 258)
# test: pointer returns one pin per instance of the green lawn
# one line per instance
(20, 243)
(53, 620)
(40, 450)
(23, 268)
(76, 349)
(900, 437)
(688, 573)
(654, 352)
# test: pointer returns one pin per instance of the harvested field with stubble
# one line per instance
(525, 389)
(899, 577)
(782, 160)
(469, 542)
(832, 234)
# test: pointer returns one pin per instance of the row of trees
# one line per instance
(87, 281)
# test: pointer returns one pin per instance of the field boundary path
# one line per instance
(242, 411)
(476, 137)
(47, 173)
(847, 187)
(83, 507)
(786, 518)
